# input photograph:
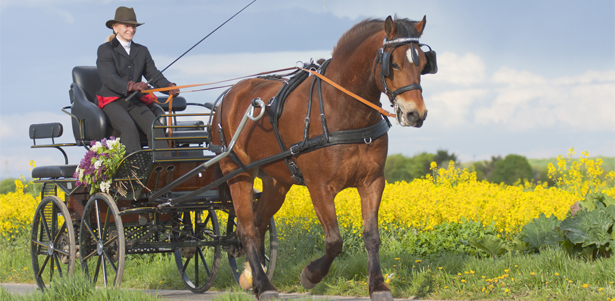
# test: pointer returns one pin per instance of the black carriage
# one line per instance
(100, 229)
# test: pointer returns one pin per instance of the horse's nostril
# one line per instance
(413, 116)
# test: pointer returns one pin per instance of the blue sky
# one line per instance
(527, 77)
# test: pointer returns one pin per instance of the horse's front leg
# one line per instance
(324, 206)
(241, 191)
(371, 194)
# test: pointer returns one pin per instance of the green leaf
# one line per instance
(588, 228)
(541, 232)
(608, 200)
(491, 244)
(611, 211)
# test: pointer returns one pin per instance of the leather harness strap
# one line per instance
(355, 96)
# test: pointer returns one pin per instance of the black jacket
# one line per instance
(116, 68)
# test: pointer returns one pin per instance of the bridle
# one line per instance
(384, 59)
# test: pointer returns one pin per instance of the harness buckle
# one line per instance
(295, 149)
(367, 142)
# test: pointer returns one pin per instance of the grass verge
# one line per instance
(550, 275)
(78, 289)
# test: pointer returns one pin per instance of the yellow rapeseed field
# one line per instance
(447, 195)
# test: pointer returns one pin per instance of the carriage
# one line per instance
(177, 204)
(99, 229)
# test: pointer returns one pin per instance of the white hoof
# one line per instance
(307, 284)
(381, 296)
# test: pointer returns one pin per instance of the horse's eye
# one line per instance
(395, 66)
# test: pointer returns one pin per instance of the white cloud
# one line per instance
(453, 108)
(528, 101)
(214, 67)
(463, 70)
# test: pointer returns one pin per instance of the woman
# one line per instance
(121, 64)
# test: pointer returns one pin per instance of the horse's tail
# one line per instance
(224, 191)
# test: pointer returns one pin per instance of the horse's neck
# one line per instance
(357, 76)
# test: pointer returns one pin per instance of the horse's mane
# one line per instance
(352, 38)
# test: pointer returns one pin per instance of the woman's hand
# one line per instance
(132, 86)
(173, 92)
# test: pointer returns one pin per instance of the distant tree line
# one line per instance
(508, 170)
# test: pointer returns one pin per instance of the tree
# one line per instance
(484, 168)
(511, 169)
(442, 158)
(7, 185)
(397, 169)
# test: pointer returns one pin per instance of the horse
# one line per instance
(363, 64)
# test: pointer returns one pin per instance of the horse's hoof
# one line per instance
(307, 284)
(269, 295)
(382, 296)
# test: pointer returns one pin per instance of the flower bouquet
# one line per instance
(97, 168)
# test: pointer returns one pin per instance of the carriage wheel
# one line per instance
(52, 241)
(101, 241)
(198, 265)
(271, 249)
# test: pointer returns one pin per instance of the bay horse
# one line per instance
(363, 64)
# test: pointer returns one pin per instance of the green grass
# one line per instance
(437, 277)
(608, 163)
(78, 289)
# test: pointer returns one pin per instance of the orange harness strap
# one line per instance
(355, 96)
(213, 83)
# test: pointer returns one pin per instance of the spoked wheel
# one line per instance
(236, 256)
(52, 241)
(198, 265)
(101, 241)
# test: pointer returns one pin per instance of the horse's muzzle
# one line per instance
(411, 118)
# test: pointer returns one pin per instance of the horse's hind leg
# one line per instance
(241, 191)
(324, 206)
(371, 194)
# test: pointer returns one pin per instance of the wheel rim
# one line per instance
(101, 241)
(271, 249)
(52, 242)
(197, 265)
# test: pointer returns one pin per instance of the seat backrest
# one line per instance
(87, 78)
(90, 122)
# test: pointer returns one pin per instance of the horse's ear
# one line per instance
(389, 28)
(421, 25)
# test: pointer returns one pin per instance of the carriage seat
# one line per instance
(54, 171)
(50, 131)
(93, 123)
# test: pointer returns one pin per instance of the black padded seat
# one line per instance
(54, 171)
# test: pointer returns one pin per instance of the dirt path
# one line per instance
(177, 295)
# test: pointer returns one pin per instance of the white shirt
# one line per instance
(126, 45)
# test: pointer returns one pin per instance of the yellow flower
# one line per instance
(556, 274)
(532, 273)
(506, 290)
(585, 285)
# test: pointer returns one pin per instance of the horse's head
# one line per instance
(402, 62)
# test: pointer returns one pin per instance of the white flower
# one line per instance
(81, 173)
(97, 164)
(113, 144)
(104, 186)
(96, 146)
